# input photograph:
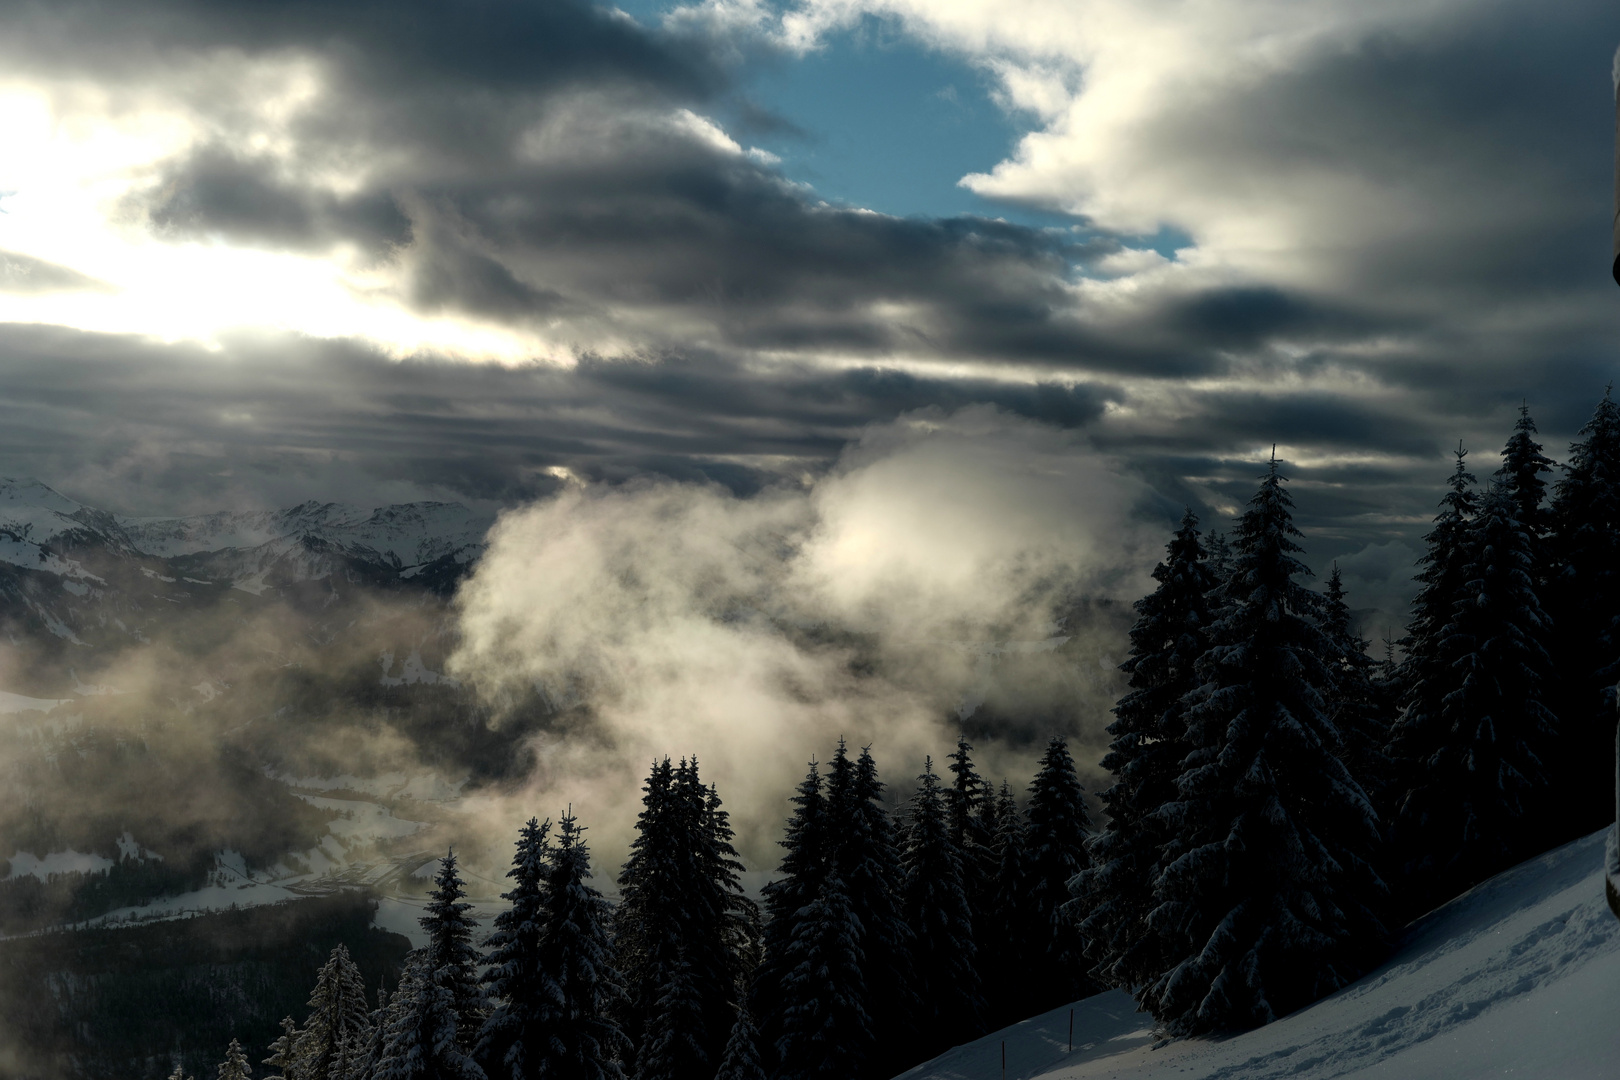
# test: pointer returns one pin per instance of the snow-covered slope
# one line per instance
(1518, 977)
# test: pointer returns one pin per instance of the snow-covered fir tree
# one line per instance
(826, 1030)
(970, 808)
(682, 917)
(235, 1066)
(1358, 709)
(797, 882)
(1115, 893)
(672, 1048)
(1584, 603)
(282, 1060)
(1520, 475)
(935, 904)
(1426, 674)
(862, 850)
(839, 825)
(575, 1032)
(422, 1038)
(1059, 826)
(1011, 931)
(339, 1020)
(179, 1073)
(869, 860)
(1468, 812)
(741, 1060)
(520, 989)
(364, 1057)
(1273, 895)
(451, 955)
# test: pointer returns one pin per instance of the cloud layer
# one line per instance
(253, 255)
(890, 602)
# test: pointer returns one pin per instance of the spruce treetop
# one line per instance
(1523, 465)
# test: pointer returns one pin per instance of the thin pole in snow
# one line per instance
(1071, 1031)
(1003, 1059)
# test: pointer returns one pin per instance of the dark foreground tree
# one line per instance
(1356, 706)
(1115, 893)
(684, 929)
(1468, 812)
(1426, 675)
(935, 905)
(826, 1031)
(741, 1060)
(451, 957)
(1584, 603)
(521, 989)
(577, 1036)
(1055, 846)
(1273, 897)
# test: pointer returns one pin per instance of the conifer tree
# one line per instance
(179, 1074)
(935, 905)
(826, 1031)
(1059, 827)
(364, 1057)
(741, 1060)
(1115, 893)
(1426, 674)
(519, 987)
(423, 1039)
(282, 1058)
(1523, 465)
(673, 1049)
(866, 855)
(684, 928)
(798, 881)
(970, 806)
(338, 1019)
(235, 1066)
(1011, 929)
(1274, 893)
(451, 956)
(1469, 810)
(1355, 705)
(1584, 603)
(577, 1036)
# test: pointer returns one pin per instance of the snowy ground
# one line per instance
(1519, 977)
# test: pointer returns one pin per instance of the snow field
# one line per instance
(1518, 977)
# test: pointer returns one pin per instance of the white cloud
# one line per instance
(691, 621)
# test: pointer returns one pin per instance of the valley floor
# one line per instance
(1518, 977)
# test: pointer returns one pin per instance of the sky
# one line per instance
(253, 253)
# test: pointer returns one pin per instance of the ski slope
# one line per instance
(1519, 977)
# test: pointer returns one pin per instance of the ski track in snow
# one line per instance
(1519, 977)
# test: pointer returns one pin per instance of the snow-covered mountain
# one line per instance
(1518, 977)
(404, 535)
(43, 530)
(78, 575)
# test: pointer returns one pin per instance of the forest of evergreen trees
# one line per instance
(1280, 802)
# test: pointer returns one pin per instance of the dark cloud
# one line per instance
(217, 191)
(144, 427)
(531, 165)
(381, 47)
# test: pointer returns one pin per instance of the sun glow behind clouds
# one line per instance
(79, 158)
